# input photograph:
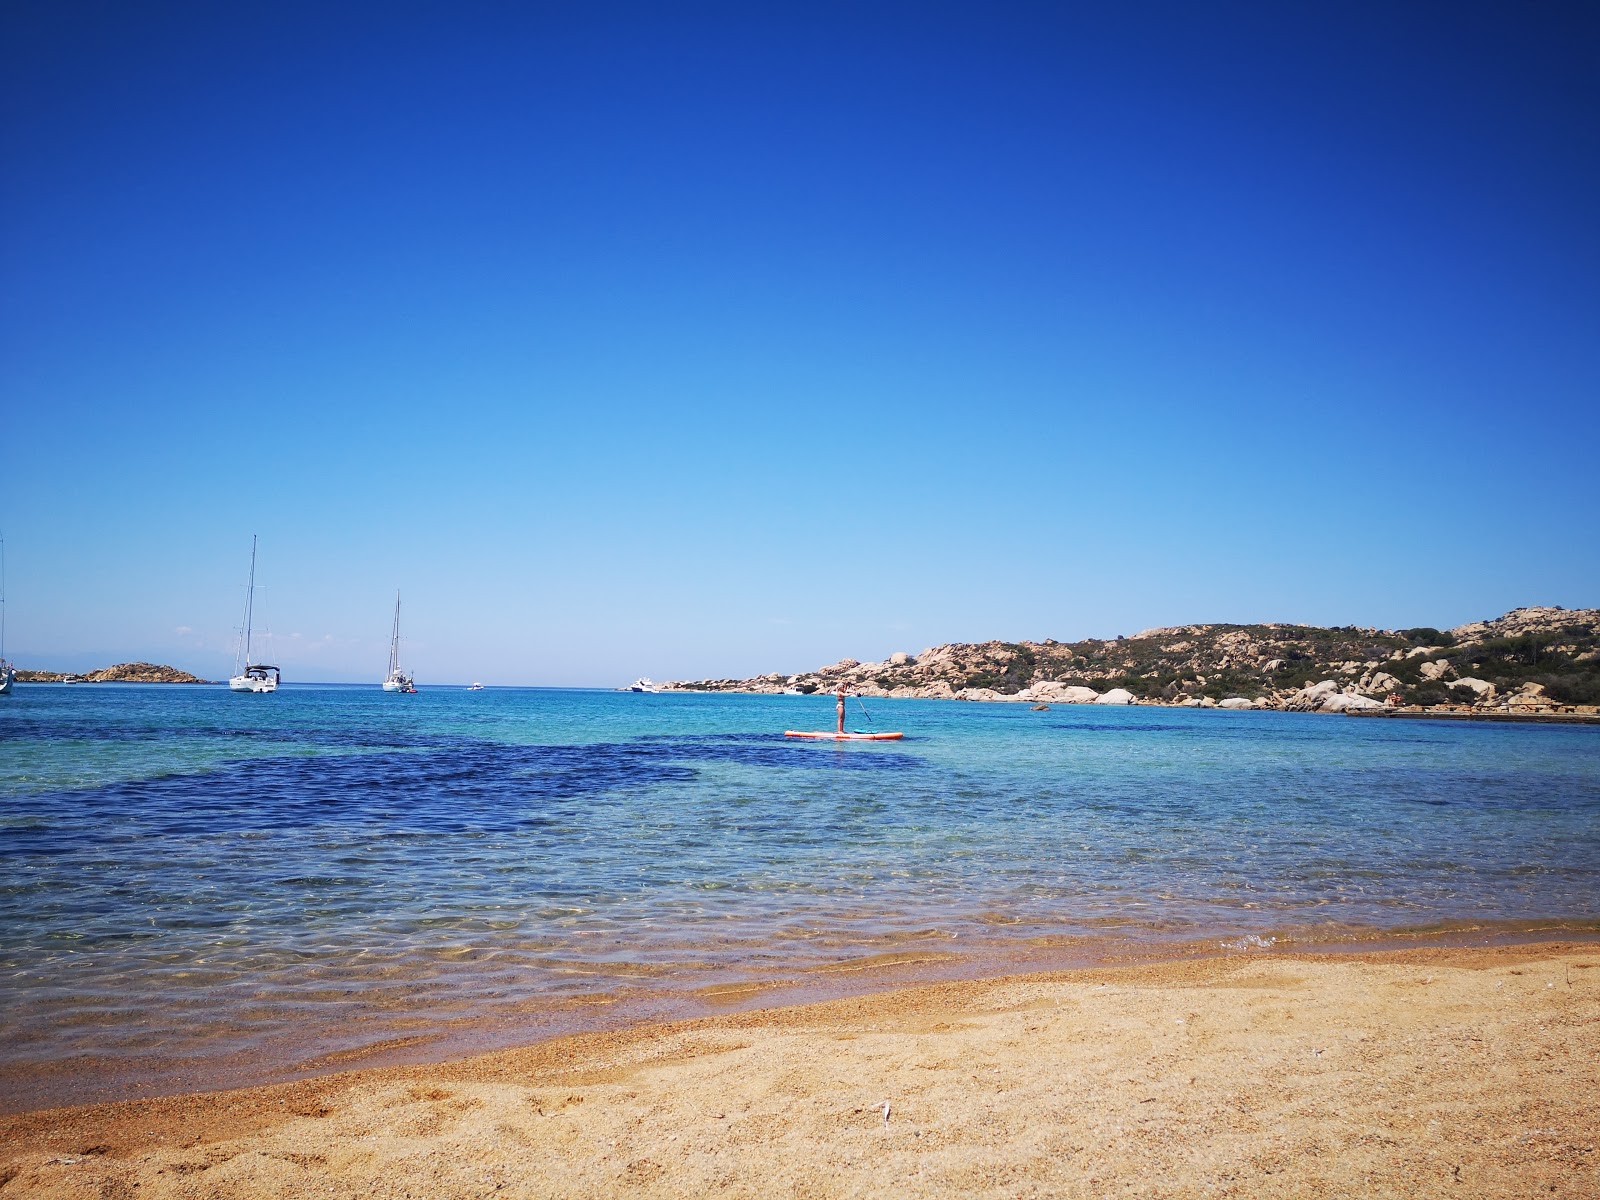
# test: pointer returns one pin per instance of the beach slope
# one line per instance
(1453, 1072)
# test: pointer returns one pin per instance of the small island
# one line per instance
(134, 672)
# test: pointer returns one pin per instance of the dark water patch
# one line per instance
(462, 786)
(775, 750)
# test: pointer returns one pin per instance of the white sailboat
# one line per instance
(398, 679)
(250, 676)
(8, 673)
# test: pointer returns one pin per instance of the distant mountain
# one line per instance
(1532, 659)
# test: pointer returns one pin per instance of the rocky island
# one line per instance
(1532, 661)
(135, 672)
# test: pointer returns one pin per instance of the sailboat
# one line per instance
(251, 676)
(399, 680)
(8, 673)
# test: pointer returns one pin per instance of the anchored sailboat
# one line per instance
(8, 673)
(398, 679)
(251, 676)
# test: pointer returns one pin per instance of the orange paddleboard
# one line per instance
(845, 737)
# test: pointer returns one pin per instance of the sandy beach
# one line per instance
(1458, 1072)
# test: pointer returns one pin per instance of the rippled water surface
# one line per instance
(190, 875)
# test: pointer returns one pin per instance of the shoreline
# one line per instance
(398, 1040)
(1274, 1072)
(1440, 713)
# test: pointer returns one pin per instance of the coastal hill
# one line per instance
(1532, 659)
(136, 672)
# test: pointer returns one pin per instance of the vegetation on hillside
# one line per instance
(1557, 650)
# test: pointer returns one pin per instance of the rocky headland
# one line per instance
(135, 672)
(1531, 661)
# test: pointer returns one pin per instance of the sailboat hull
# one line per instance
(247, 683)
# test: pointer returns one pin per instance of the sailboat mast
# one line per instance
(394, 639)
(250, 601)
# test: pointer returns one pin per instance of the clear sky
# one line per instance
(702, 340)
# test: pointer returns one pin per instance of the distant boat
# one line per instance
(399, 680)
(251, 676)
(477, 687)
(643, 684)
(8, 673)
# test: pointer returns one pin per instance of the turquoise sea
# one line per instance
(202, 888)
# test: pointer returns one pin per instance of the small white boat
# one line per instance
(399, 680)
(643, 684)
(477, 687)
(251, 676)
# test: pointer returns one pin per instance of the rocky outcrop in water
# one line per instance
(1530, 660)
(135, 672)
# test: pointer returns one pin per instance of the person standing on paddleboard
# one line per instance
(841, 708)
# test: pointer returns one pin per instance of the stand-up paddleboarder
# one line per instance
(839, 735)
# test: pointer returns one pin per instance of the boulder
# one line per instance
(900, 659)
(1481, 688)
(1059, 693)
(1311, 699)
(1530, 697)
(1116, 696)
(1382, 684)
(1435, 670)
(1344, 702)
(980, 694)
(1236, 702)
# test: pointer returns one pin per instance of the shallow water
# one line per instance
(198, 878)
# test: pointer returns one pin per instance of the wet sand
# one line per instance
(1454, 1072)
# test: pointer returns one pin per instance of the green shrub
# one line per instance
(1572, 689)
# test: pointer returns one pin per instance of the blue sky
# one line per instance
(701, 340)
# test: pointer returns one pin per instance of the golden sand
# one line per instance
(1451, 1073)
